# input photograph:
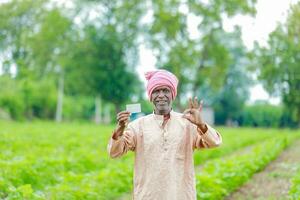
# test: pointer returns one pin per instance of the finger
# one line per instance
(196, 102)
(127, 138)
(123, 119)
(123, 115)
(201, 105)
(123, 112)
(126, 135)
(190, 103)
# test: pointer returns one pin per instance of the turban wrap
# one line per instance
(161, 78)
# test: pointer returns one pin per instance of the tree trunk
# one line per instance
(60, 95)
(107, 117)
(98, 111)
(117, 107)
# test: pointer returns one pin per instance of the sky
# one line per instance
(269, 13)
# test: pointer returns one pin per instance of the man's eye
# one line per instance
(166, 91)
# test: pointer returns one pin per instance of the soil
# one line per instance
(275, 180)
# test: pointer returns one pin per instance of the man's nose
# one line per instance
(161, 93)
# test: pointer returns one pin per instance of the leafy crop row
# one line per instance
(43, 160)
(294, 192)
(234, 139)
(220, 177)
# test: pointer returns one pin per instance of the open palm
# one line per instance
(193, 113)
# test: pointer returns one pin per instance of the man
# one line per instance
(163, 142)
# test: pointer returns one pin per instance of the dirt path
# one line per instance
(274, 181)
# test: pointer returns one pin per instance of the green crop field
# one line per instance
(44, 160)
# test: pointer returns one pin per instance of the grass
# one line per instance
(45, 160)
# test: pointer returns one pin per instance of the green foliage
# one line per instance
(278, 62)
(17, 19)
(262, 115)
(198, 60)
(78, 107)
(50, 47)
(44, 160)
(107, 53)
(294, 192)
(236, 83)
(234, 141)
(46, 43)
(105, 71)
(40, 99)
(24, 98)
(147, 106)
(221, 176)
(11, 98)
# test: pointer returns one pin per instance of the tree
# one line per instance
(105, 72)
(278, 63)
(230, 100)
(197, 61)
(50, 50)
(36, 37)
(108, 50)
(17, 19)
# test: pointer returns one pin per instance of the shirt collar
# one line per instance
(162, 117)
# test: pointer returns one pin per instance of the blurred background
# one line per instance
(83, 60)
(68, 66)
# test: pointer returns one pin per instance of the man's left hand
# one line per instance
(193, 113)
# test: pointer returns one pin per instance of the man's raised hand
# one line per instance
(193, 113)
(122, 120)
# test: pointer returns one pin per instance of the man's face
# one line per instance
(162, 100)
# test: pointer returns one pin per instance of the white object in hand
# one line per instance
(133, 108)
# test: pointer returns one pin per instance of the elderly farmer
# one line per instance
(163, 142)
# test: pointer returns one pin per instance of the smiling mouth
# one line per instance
(161, 102)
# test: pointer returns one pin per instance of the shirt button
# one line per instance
(165, 140)
(166, 149)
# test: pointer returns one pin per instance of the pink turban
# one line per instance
(161, 78)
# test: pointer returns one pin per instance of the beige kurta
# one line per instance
(164, 166)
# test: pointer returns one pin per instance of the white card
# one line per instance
(133, 108)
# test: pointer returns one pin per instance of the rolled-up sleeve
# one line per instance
(211, 138)
(117, 148)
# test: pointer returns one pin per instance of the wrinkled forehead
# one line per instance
(162, 88)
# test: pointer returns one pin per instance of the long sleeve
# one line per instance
(119, 147)
(211, 138)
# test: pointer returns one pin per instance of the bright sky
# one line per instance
(269, 13)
